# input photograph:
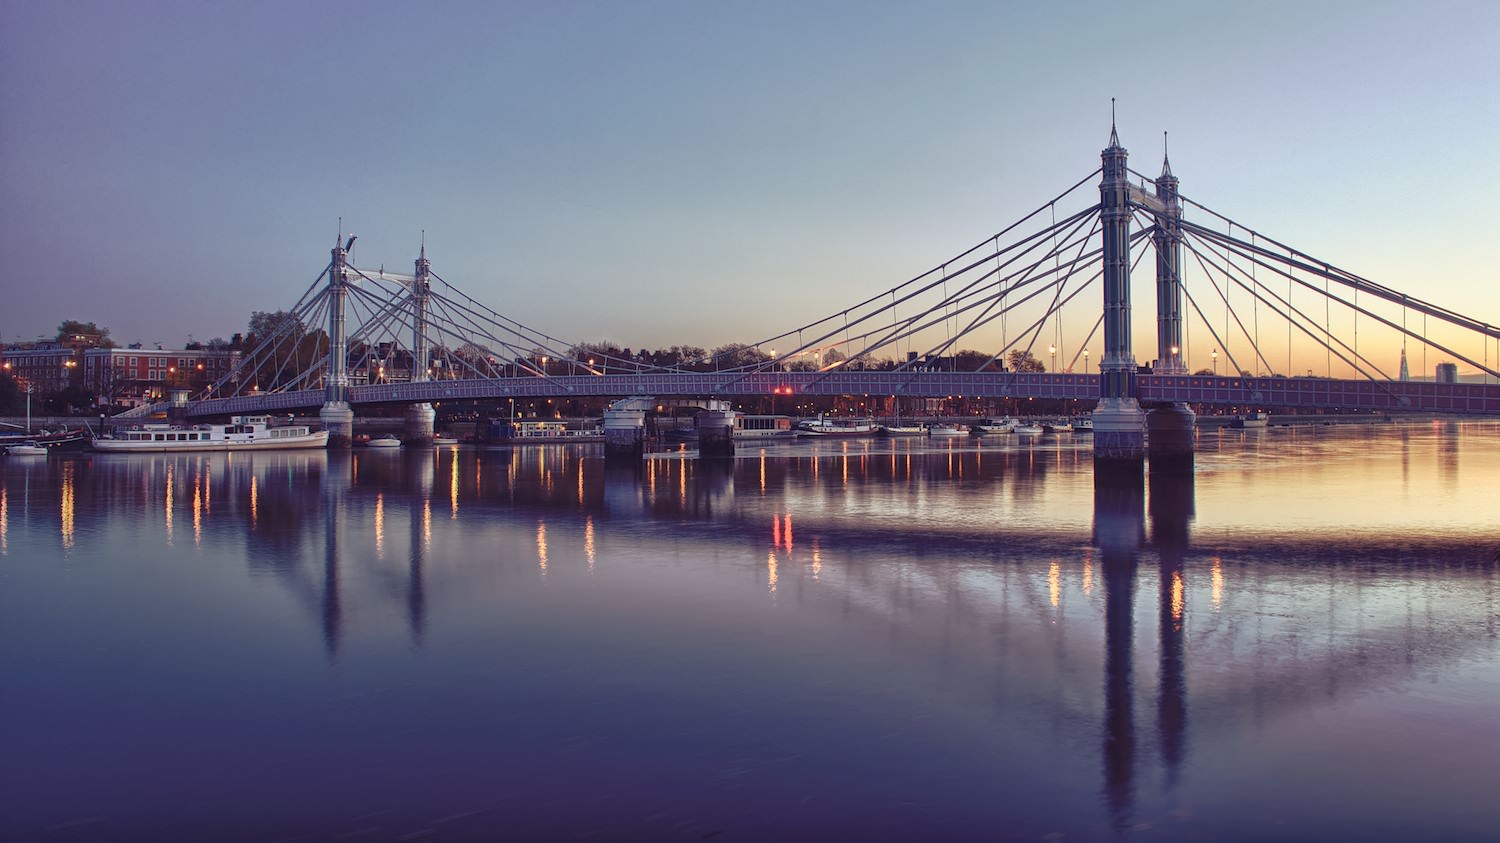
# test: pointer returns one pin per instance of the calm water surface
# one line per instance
(857, 640)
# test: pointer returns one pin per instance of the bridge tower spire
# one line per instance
(1170, 426)
(1168, 242)
(421, 291)
(1119, 423)
(336, 415)
(420, 417)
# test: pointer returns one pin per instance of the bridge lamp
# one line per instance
(1215, 355)
(1085, 361)
(1053, 350)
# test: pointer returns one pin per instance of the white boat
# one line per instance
(902, 430)
(1029, 429)
(385, 442)
(1083, 424)
(837, 427)
(27, 449)
(1057, 426)
(761, 428)
(991, 427)
(243, 433)
(444, 441)
(1250, 420)
(938, 431)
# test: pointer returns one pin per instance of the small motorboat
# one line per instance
(385, 442)
(1029, 429)
(28, 448)
(992, 427)
(444, 441)
(946, 430)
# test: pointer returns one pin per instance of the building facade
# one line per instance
(127, 377)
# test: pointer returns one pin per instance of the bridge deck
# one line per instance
(1299, 393)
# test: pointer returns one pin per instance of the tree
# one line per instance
(285, 358)
(735, 355)
(12, 397)
(832, 357)
(112, 381)
(969, 360)
(1021, 360)
(603, 353)
(1204, 372)
(86, 333)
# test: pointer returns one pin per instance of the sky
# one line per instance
(658, 173)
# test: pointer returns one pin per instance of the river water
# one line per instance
(840, 640)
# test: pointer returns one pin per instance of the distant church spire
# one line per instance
(1405, 373)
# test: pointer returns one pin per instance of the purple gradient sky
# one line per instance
(703, 172)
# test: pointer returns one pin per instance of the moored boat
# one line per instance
(1083, 424)
(1057, 426)
(902, 430)
(243, 433)
(444, 441)
(837, 427)
(26, 449)
(66, 440)
(1029, 429)
(761, 428)
(1250, 420)
(938, 431)
(992, 427)
(384, 442)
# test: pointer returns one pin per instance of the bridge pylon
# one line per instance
(1170, 427)
(420, 417)
(1119, 422)
(337, 417)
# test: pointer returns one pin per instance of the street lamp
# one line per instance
(1053, 350)
(1172, 364)
(1216, 361)
(544, 364)
(1085, 361)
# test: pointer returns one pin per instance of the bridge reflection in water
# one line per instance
(978, 572)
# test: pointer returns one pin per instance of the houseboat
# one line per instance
(243, 433)
(544, 431)
(837, 427)
(761, 428)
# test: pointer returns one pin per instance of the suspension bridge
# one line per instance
(1271, 310)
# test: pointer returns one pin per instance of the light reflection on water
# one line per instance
(879, 639)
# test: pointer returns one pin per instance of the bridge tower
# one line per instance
(1119, 423)
(337, 417)
(1168, 242)
(1170, 427)
(420, 417)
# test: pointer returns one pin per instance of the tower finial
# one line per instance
(339, 238)
(1114, 138)
(424, 243)
(1166, 160)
